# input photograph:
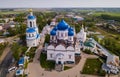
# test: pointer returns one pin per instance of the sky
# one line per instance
(58, 3)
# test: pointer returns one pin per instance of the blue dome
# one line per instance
(70, 33)
(53, 32)
(55, 28)
(70, 29)
(31, 17)
(62, 25)
(30, 30)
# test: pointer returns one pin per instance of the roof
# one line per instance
(70, 33)
(38, 36)
(21, 61)
(53, 32)
(62, 25)
(30, 30)
(70, 29)
(90, 43)
(113, 59)
(31, 17)
(19, 72)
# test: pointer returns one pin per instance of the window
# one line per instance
(61, 34)
(69, 56)
(65, 34)
(52, 38)
(51, 55)
(30, 24)
(33, 24)
(58, 34)
(29, 35)
(32, 35)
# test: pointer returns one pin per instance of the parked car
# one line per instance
(12, 69)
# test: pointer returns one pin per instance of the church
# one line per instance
(63, 45)
(32, 34)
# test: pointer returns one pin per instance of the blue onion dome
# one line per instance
(70, 29)
(53, 32)
(55, 28)
(70, 33)
(62, 25)
(31, 17)
(30, 30)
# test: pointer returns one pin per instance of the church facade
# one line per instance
(63, 45)
(32, 34)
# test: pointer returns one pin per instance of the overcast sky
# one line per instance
(58, 3)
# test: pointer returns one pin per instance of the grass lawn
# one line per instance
(46, 64)
(93, 67)
(66, 67)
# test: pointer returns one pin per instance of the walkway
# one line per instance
(105, 51)
(35, 70)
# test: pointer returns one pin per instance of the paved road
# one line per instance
(6, 58)
(5, 64)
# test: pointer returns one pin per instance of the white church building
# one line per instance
(32, 34)
(63, 45)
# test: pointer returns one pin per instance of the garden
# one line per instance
(93, 67)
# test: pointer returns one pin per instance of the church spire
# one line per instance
(82, 29)
(31, 12)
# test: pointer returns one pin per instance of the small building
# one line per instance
(90, 45)
(112, 64)
(112, 61)
(21, 61)
(53, 22)
(2, 40)
(78, 18)
(19, 72)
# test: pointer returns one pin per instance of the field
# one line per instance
(11, 12)
(93, 67)
(107, 13)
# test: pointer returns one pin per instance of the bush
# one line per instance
(87, 51)
(2, 47)
(46, 64)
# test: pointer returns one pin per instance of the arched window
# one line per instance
(58, 34)
(30, 24)
(33, 24)
(61, 34)
(29, 35)
(32, 35)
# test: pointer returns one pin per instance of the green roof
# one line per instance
(89, 43)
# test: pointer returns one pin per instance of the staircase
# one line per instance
(59, 67)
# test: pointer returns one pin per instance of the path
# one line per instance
(35, 70)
